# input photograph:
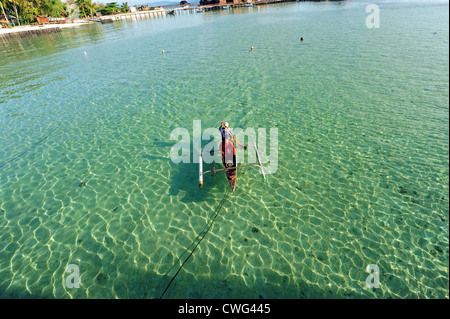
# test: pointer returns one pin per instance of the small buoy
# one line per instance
(85, 53)
(251, 48)
(163, 52)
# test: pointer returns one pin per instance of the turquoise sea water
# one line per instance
(363, 155)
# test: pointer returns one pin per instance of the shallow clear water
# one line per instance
(363, 155)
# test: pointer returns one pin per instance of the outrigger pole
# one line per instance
(200, 171)
(214, 170)
(261, 170)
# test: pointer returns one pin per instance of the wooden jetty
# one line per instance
(208, 5)
(162, 11)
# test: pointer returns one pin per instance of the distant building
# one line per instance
(143, 8)
(219, 2)
(42, 19)
(209, 2)
(225, 2)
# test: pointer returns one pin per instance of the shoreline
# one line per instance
(33, 30)
(26, 30)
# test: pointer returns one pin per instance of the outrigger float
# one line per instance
(230, 168)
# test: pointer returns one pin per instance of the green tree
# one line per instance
(3, 9)
(87, 7)
(82, 5)
(124, 7)
(112, 7)
(26, 10)
(91, 7)
(14, 4)
(52, 8)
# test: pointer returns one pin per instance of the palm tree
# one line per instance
(124, 7)
(91, 7)
(86, 6)
(30, 8)
(81, 4)
(3, 10)
(14, 2)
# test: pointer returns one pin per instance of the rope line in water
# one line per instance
(32, 147)
(201, 236)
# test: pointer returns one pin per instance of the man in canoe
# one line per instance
(228, 139)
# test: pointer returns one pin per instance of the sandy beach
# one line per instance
(28, 28)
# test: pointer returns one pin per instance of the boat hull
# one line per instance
(229, 163)
(231, 176)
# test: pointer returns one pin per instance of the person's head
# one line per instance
(225, 124)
